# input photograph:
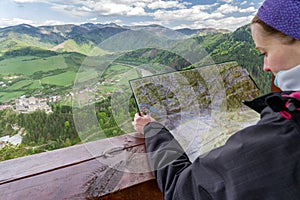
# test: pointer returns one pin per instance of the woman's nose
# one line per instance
(266, 65)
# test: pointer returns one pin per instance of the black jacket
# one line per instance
(260, 162)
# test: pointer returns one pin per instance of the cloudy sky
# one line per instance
(228, 14)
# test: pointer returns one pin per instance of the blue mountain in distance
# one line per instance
(202, 31)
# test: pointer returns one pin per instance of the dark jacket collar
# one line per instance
(275, 100)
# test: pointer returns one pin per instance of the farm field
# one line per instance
(64, 79)
(27, 75)
(28, 65)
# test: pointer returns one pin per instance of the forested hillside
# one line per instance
(239, 47)
(221, 47)
(43, 132)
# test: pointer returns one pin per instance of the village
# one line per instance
(26, 105)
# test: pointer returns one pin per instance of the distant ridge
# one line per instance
(188, 31)
(80, 38)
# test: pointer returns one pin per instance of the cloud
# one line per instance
(117, 21)
(4, 22)
(226, 22)
(133, 7)
(205, 6)
(52, 22)
(143, 23)
(117, 9)
(33, 1)
(230, 23)
(100, 8)
(51, 1)
(166, 4)
(108, 7)
(248, 10)
(162, 12)
(226, 1)
(227, 8)
(72, 10)
(243, 3)
(189, 14)
(25, 1)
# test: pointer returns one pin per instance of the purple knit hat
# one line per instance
(283, 15)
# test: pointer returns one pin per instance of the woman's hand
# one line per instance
(140, 121)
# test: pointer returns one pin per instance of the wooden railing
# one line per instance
(114, 168)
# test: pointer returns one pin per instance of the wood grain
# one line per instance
(115, 168)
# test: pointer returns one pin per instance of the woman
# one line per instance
(261, 161)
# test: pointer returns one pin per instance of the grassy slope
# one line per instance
(86, 48)
(16, 41)
(27, 65)
(27, 74)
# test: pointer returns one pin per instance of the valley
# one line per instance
(86, 68)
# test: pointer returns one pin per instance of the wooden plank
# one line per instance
(145, 191)
(90, 171)
(43, 162)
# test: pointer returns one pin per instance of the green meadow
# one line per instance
(6, 96)
(117, 76)
(64, 79)
(25, 84)
(27, 65)
(27, 75)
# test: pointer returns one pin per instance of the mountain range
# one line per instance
(72, 37)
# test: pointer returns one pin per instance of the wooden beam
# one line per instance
(115, 167)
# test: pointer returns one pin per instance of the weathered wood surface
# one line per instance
(114, 168)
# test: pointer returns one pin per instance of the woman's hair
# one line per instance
(272, 31)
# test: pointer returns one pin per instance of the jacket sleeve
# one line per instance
(171, 166)
(258, 162)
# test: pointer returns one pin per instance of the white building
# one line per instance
(26, 105)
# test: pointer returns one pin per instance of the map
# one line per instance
(202, 107)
